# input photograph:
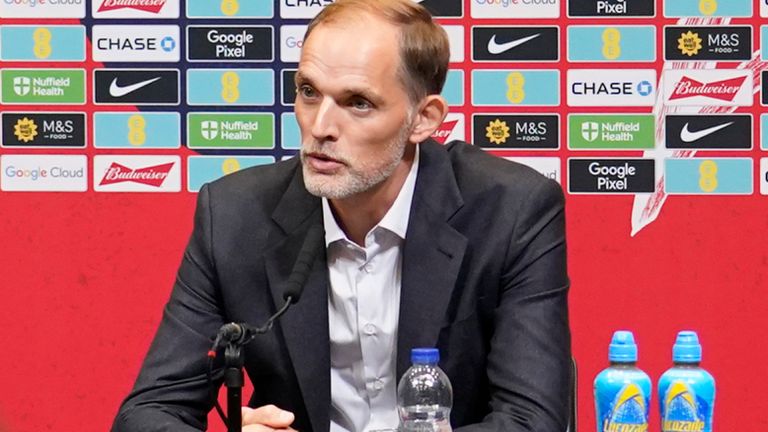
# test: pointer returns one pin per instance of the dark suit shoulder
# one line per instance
(263, 184)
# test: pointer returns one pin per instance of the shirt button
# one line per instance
(378, 384)
(368, 268)
(369, 329)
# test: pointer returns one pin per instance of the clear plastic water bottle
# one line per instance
(424, 394)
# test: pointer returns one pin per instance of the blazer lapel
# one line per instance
(305, 326)
(432, 255)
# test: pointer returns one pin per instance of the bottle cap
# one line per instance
(622, 348)
(425, 356)
(687, 348)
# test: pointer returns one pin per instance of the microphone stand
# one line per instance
(234, 380)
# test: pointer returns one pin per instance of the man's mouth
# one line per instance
(321, 163)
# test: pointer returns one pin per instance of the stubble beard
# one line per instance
(353, 178)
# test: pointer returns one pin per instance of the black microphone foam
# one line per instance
(303, 265)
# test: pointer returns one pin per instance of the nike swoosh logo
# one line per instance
(497, 48)
(116, 90)
(688, 136)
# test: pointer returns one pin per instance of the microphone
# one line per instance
(242, 333)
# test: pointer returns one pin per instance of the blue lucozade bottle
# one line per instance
(686, 391)
(424, 394)
(622, 391)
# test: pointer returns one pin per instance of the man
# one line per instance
(424, 246)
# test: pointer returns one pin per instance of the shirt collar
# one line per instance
(396, 218)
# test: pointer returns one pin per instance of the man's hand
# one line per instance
(267, 418)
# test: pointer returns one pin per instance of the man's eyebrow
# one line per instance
(351, 91)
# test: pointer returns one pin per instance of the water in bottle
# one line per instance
(424, 394)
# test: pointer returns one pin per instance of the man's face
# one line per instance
(352, 109)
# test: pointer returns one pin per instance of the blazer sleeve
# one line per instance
(171, 391)
(530, 355)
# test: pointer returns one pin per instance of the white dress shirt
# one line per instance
(363, 310)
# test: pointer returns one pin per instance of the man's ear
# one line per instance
(432, 112)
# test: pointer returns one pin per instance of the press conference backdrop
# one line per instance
(115, 112)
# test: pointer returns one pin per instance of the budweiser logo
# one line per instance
(152, 6)
(724, 90)
(444, 131)
(152, 176)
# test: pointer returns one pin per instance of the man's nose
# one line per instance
(325, 125)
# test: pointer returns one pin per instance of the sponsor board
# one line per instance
(229, 9)
(43, 130)
(44, 173)
(231, 87)
(697, 87)
(521, 131)
(291, 41)
(764, 9)
(716, 43)
(233, 44)
(119, 173)
(135, 43)
(453, 90)
(216, 130)
(611, 87)
(515, 87)
(42, 9)
(764, 131)
(515, 9)
(764, 36)
(524, 43)
(611, 43)
(456, 42)
(136, 86)
(549, 167)
(611, 176)
(444, 8)
(708, 132)
(708, 176)
(205, 169)
(451, 129)
(43, 86)
(301, 8)
(611, 131)
(708, 8)
(764, 88)
(288, 86)
(137, 130)
(611, 8)
(764, 176)
(144, 9)
(290, 136)
(33, 43)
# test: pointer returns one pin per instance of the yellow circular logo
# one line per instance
(497, 131)
(25, 130)
(689, 43)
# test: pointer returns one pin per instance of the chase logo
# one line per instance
(611, 87)
(515, 87)
(515, 8)
(145, 9)
(291, 41)
(502, 131)
(134, 43)
(230, 87)
(444, 8)
(716, 43)
(230, 44)
(611, 8)
(611, 43)
(43, 130)
(36, 43)
(42, 8)
(515, 43)
(704, 176)
(708, 8)
(137, 130)
(301, 8)
(205, 169)
(229, 9)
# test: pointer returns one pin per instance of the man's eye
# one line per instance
(307, 91)
(361, 104)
